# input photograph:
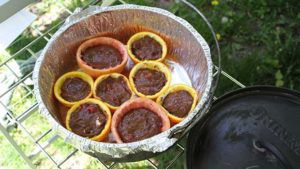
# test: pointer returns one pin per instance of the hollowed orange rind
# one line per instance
(177, 88)
(103, 134)
(140, 35)
(102, 41)
(153, 65)
(135, 104)
(58, 84)
(103, 77)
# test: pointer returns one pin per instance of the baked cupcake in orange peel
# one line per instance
(89, 118)
(138, 119)
(113, 89)
(73, 87)
(101, 55)
(144, 46)
(149, 79)
(178, 100)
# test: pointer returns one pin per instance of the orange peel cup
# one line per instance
(177, 88)
(152, 65)
(102, 41)
(60, 81)
(135, 104)
(103, 77)
(104, 133)
(140, 35)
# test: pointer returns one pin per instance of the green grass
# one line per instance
(259, 43)
(21, 100)
(9, 157)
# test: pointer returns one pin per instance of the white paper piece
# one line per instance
(179, 74)
(3, 2)
(11, 28)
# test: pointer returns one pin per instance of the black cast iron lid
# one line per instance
(251, 128)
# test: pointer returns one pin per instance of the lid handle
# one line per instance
(263, 146)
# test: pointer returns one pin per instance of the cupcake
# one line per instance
(149, 79)
(89, 118)
(144, 46)
(179, 101)
(101, 55)
(73, 87)
(113, 89)
(138, 119)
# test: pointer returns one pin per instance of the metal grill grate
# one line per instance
(45, 139)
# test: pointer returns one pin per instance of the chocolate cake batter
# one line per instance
(178, 103)
(102, 57)
(149, 81)
(147, 48)
(75, 89)
(88, 120)
(114, 91)
(139, 124)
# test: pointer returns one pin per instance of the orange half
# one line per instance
(58, 84)
(140, 35)
(103, 77)
(103, 134)
(152, 65)
(135, 104)
(177, 88)
(102, 41)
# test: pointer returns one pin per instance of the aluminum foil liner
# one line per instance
(185, 45)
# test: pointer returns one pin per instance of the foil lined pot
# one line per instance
(185, 45)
